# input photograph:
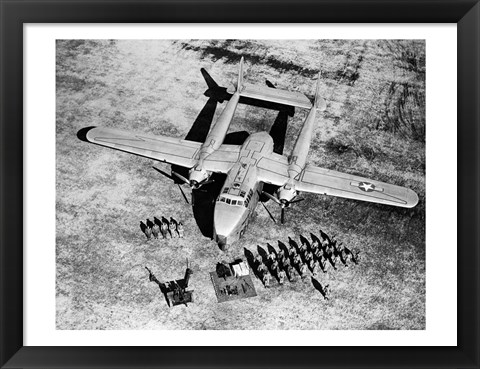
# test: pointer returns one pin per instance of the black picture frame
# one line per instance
(14, 14)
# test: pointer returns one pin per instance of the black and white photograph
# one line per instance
(240, 184)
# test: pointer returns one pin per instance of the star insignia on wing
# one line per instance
(367, 187)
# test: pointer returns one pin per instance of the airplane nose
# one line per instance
(227, 219)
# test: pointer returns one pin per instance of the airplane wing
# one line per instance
(222, 159)
(328, 182)
(292, 98)
(161, 148)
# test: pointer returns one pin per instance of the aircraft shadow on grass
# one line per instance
(203, 199)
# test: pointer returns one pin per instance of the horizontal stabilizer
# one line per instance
(292, 98)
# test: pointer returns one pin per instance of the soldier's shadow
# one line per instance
(143, 227)
(261, 251)
(305, 241)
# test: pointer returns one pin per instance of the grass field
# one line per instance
(374, 126)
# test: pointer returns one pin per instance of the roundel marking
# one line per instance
(366, 186)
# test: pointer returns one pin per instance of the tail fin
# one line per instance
(240, 76)
(319, 102)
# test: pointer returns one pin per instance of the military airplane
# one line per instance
(251, 165)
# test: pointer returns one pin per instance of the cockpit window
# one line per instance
(242, 194)
(234, 202)
(240, 202)
(225, 190)
(222, 199)
(229, 201)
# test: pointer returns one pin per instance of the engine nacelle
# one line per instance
(197, 175)
(286, 193)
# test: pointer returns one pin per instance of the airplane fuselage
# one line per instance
(241, 192)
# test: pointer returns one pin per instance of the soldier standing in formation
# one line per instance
(172, 227)
(281, 255)
(290, 272)
(315, 268)
(148, 233)
(266, 279)
(303, 248)
(180, 230)
(303, 270)
(164, 229)
(274, 266)
(292, 251)
(297, 260)
(308, 256)
(155, 231)
(281, 276)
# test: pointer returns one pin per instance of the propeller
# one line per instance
(171, 177)
(194, 184)
(283, 203)
(182, 178)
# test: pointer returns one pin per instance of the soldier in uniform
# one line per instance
(303, 248)
(261, 268)
(148, 233)
(281, 255)
(308, 256)
(342, 254)
(325, 291)
(281, 276)
(266, 279)
(315, 268)
(292, 251)
(155, 231)
(172, 227)
(314, 245)
(323, 264)
(285, 263)
(164, 229)
(274, 267)
(318, 253)
(180, 230)
(291, 273)
(297, 260)
(355, 256)
(303, 270)
(272, 257)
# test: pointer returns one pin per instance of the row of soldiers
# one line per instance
(164, 227)
(314, 256)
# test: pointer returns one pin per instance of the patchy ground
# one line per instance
(374, 126)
